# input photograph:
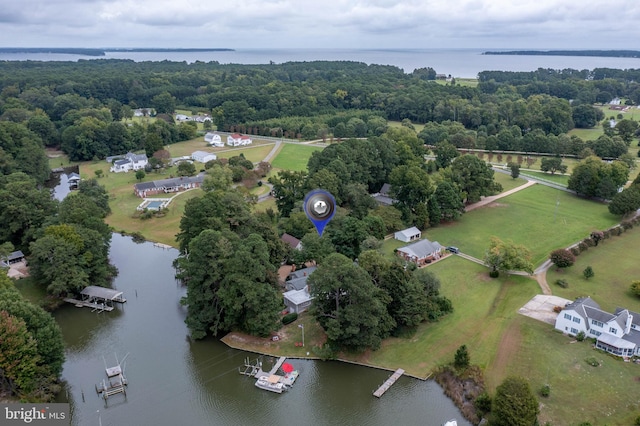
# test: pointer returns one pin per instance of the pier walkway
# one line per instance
(387, 384)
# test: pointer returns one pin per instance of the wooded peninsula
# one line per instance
(603, 53)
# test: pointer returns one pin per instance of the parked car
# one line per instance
(453, 249)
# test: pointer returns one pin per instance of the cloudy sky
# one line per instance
(600, 24)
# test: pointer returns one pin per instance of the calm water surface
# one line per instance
(457, 62)
(174, 381)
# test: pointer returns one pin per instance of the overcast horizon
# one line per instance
(349, 24)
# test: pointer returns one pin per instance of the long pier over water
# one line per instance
(387, 384)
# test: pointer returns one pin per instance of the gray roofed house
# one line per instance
(304, 272)
(130, 161)
(421, 252)
(144, 189)
(383, 197)
(292, 241)
(296, 283)
(617, 333)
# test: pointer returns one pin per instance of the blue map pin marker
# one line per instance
(320, 206)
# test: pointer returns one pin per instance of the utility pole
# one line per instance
(302, 327)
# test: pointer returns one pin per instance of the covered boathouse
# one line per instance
(98, 298)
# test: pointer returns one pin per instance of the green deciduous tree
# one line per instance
(231, 283)
(36, 368)
(288, 188)
(348, 306)
(514, 404)
(140, 174)
(507, 256)
(473, 177)
(515, 170)
(635, 287)
(594, 178)
(186, 169)
(70, 257)
(625, 202)
(445, 153)
(553, 165)
(23, 208)
(314, 248)
(445, 204)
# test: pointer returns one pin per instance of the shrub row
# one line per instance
(611, 232)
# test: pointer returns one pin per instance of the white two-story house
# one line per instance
(130, 161)
(237, 139)
(617, 333)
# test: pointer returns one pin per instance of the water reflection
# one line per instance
(59, 184)
(176, 381)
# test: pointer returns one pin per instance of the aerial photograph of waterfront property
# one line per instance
(320, 213)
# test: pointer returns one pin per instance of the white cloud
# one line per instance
(321, 23)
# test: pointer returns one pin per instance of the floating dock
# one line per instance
(270, 381)
(116, 382)
(388, 383)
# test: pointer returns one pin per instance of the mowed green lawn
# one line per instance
(483, 308)
(123, 203)
(541, 218)
(615, 266)
(556, 178)
(294, 156)
(504, 342)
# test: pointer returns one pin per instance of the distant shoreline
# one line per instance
(103, 52)
(601, 53)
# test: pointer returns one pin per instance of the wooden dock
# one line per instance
(88, 304)
(278, 364)
(387, 384)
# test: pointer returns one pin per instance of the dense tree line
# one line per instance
(31, 347)
(81, 105)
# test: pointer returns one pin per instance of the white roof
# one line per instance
(298, 296)
(409, 232)
(101, 292)
(616, 341)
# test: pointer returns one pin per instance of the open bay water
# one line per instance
(176, 381)
(465, 63)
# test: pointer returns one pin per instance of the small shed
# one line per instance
(14, 257)
(408, 235)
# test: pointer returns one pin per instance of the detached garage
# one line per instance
(408, 235)
(202, 156)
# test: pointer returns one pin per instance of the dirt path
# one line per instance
(540, 274)
(488, 200)
(507, 351)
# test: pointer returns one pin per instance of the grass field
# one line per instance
(417, 126)
(560, 179)
(294, 156)
(538, 217)
(610, 285)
